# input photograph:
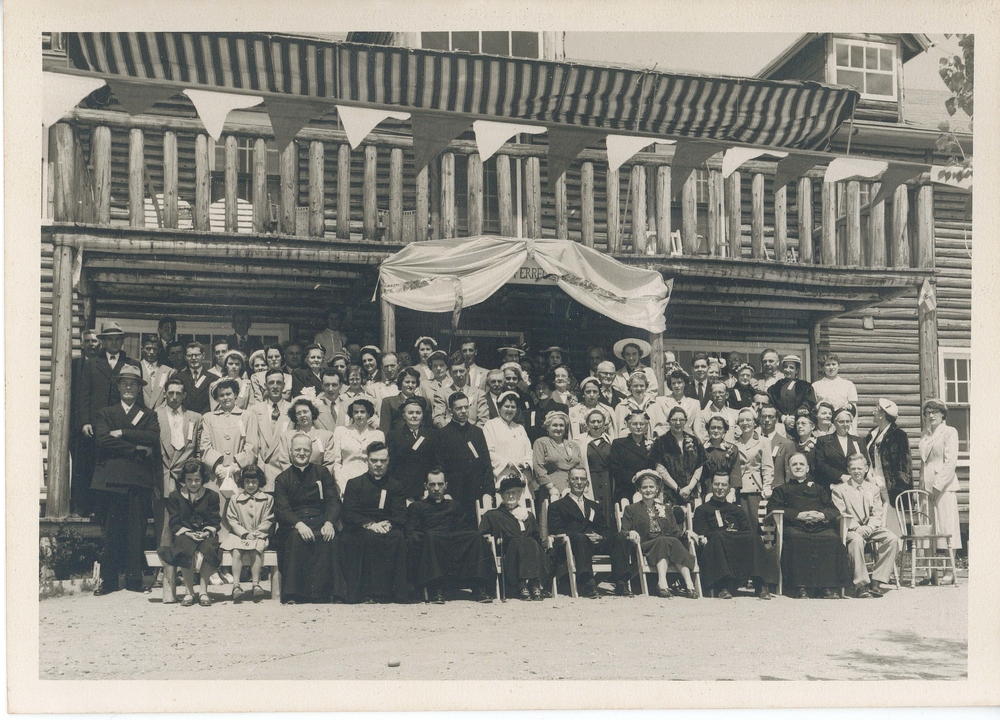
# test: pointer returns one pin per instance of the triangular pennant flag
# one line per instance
(793, 167)
(844, 168)
(622, 147)
(564, 147)
(735, 157)
(137, 98)
(358, 122)
(62, 93)
(896, 175)
(432, 134)
(927, 298)
(490, 136)
(689, 155)
(213, 107)
(290, 116)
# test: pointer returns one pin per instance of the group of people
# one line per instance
(363, 470)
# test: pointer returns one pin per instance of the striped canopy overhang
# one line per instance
(784, 114)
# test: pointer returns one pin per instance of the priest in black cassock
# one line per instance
(441, 548)
(729, 549)
(307, 507)
(373, 547)
(583, 521)
(519, 542)
(812, 556)
(465, 459)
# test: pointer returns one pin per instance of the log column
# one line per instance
(505, 201)
(170, 179)
(656, 360)
(803, 200)
(587, 203)
(828, 240)
(900, 234)
(317, 189)
(927, 302)
(689, 215)
(638, 183)
(757, 249)
(853, 246)
(474, 190)
(396, 195)
(370, 198)
(663, 210)
(231, 180)
(533, 194)
(421, 217)
(876, 230)
(101, 153)
(289, 175)
(344, 192)
(261, 205)
(614, 207)
(449, 217)
(136, 162)
(781, 224)
(734, 215)
(388, 326)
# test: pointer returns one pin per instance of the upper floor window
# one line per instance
(868, 66)
(244, 169)
(509, 44)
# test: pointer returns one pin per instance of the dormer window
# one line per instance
(868, 66)
(509, 44)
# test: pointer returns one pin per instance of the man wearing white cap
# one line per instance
(791, 393)
(632, 350)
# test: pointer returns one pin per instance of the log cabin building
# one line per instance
(146, 214)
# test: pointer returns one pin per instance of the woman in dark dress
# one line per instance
(628, 455)
(596, 453)
(812, 555)
(742, 392)
(721, 457)
(650, 524)
(515, 529)
(307, 507)
(729, 550)
(678, 457)
(411, 450)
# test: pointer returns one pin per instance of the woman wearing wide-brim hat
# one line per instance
(939, 456)
(631, 351)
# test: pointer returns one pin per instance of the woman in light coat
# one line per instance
(508, 443)
(939, 456)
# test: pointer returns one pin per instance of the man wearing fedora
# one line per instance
(127, 470)
(98, 389)
(631, 351)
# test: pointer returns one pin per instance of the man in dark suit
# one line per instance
(699, 388)
(166, 329)
(196, 380)
(628, 455)
(128, 468)
(833, 450)
(179, 431)
(464, 457)
(582, 521)
(240, 339)
(98, 389)
(606, 374)
(82, 447)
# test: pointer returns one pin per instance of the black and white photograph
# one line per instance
(503, 355)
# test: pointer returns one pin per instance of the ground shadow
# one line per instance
(917, 656)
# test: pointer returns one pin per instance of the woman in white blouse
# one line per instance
(758, 465)
(508, 441)
(638, 401)
(837, 391)
(350, 441)
(590, 389)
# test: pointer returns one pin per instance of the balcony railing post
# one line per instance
(689, 215)
(101, 154)
(876, 230)
(587, 203)
(136, 194)
(828, 238)
(170, 180)
(757, 249)
(803, 200)
(614, 207)
(317, 188)
(449, 221)
(369, 194)
(474, 189)
(716, 217)
(344, 192)
(853, 248)
(925, 226)
(533, 187)
(900, 231)
(504, 197)
(421, 217)
(202, 183)
(734, 214)
(64, 202)
(396, 195)
(289, 178)
(780, 224)
(562, 210)
(232, 184)
(663, 209)
(638, 182)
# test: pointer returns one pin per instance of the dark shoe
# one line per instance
(622, 589)
(664, 593)
(105, 590)
(875, 590)
(802, 594)
(764, 593)
(589, 590)
(524, 593)
(724, 594)
(536, 592)
(861, 592)
(481, 597)
(437, 597)
(689, 593)
(830, 594)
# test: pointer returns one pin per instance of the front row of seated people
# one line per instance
(371, 547)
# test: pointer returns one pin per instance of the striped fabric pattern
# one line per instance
(791, 114)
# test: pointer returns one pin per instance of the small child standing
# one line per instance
(248, 521)
(194, 530)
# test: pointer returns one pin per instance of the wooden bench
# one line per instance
(170, 573)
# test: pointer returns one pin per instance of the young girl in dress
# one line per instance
(194, 530)
(248, 521)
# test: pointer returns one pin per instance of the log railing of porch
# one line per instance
(742, 219)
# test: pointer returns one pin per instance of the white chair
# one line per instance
(915, 512)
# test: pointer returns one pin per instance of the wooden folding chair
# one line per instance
(601, 563)
(915, 512)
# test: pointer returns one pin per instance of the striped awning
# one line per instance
(786, 114)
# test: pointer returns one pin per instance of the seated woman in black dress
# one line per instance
(812, 556)
(651, 525)
(729, 549)
(520, 544)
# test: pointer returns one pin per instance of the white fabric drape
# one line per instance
(622, 147)
(425, 276)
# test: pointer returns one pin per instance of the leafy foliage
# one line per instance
(958, 73)
(68, 553)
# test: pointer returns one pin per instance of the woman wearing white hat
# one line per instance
(590, 390)
(631, 351)
(791, 393)
(889, 450)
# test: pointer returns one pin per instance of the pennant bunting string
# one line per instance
(213, 107)
(358, 122)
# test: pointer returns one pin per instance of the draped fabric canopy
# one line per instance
(789, 114)
(445, 275)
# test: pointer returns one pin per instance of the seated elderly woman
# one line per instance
(554, 456)
(651, 525)
(515, 529)
(729, 549)
(812, 558)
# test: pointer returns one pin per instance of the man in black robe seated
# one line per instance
(729, 550)
(518, 541)
(373, 548)
(441, 548)
(583, 521)
(307, 507)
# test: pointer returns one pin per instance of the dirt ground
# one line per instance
(909, 634)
